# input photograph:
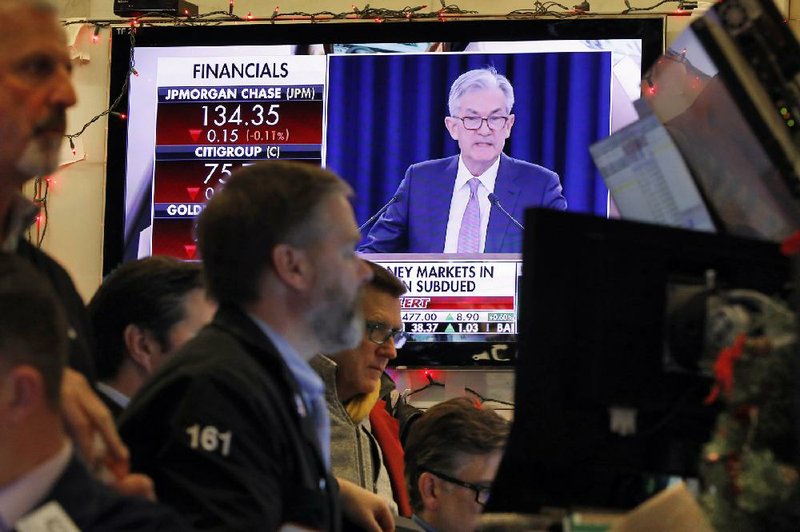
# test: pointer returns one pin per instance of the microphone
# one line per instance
(494, 200)
(377, 215)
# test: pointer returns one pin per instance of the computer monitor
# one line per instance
(597, 301)
(717, 147)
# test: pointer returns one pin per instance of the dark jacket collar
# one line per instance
(236, 322)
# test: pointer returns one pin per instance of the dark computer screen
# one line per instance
(597, 302)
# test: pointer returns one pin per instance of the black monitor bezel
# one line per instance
(600, 341)
(650, 30)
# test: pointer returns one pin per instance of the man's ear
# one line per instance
(141, 346)
(509, 125)
(451, 124)
(428, 491)
(21, 393)
(292, 265)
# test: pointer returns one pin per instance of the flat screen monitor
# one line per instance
(598, 300)
(366, 100)
(718, 147)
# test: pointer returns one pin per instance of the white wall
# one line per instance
(75, 230)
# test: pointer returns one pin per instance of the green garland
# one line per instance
(750, 482)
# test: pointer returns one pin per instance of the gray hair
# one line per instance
(41, 6)
(479, 79)
(261, 206)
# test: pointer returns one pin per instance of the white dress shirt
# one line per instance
(19, 497)
(458, 203)
(112, 393)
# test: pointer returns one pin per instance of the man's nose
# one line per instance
(485, 129)
(387, 349)
(63, 92)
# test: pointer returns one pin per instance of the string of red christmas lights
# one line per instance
(379, 15)
(446, 11)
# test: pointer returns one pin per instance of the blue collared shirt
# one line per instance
(312, 403)
(423, 524)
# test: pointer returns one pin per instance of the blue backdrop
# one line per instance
(386, 112)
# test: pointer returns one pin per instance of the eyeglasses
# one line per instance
(482, 493)
(475, 122)
(379, 333)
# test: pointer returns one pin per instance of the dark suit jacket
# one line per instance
(222, 432)
(417, 221)
(81, 345)
(93, 506)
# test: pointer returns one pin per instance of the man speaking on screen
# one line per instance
(472, 202)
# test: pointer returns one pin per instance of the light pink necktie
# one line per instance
(469, 236)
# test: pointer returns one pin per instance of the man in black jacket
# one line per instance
(43, 485)
(144, 311)
(234, 429)
(35, 92)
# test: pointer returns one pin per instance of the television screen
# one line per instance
(369, 101)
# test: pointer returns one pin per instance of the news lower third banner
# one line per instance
(457, 299)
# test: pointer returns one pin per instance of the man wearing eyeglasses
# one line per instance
(451, 457)
(365, 444)
(234, 427)
(471, 202)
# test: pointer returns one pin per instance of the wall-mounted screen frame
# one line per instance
(366, 100)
